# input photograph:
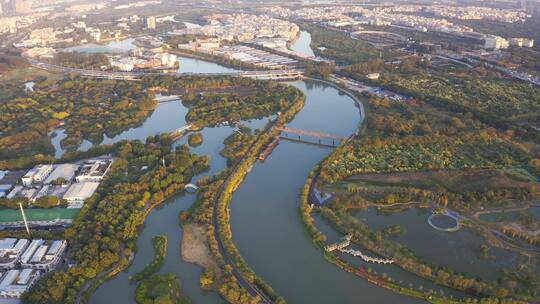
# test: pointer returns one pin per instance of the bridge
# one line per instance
(346, 241)
(366, 258)
(178, 133)
(320, 136)
(191, 187)
(291, 74)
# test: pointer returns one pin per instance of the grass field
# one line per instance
(453, 181)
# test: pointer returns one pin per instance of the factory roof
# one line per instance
(65, 171)
(81, 190)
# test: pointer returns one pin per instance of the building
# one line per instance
(22, 6)
(522, 42)
(15, 282)
(168, 59)
(63, 171)
(36, 175)
(495, 43)
(24, 261)
(11, 250)
(79, 192)
(151, 22)
(94, 170)
(46, 256)
(373, 76)
(5, 189)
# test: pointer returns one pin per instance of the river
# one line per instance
(302, 44)
(264, 212)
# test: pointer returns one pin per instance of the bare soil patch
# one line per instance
(194, 247)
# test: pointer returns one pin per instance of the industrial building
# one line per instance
(63, 171)
(11, 250)
(22, 262)
(35, 254)
(14, 283)
(94, 170)
(79, 192)
(43, 255)
(36, 175)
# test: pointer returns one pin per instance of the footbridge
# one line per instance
(366, 258)
(191, 187)
(303, 134)
(178, 133)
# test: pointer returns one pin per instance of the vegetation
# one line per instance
(160, 251)
(11, 61)
(183, 39)
(80, 60)
(319, 70)
(104, 233)
(435, 148)
(496, 101)
(340, 47)
(237, 145)
(92, 108)
(160, 289)
(85, 108)
(405, 137)
(195, 139)
(270, 98)
(242, 149)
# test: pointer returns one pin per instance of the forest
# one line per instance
(92, 108)
(159, 242)
(80, 60)
(104, 233)
(85, 108)
(338, 46)
(420, 150)
(161, 289)
(270, 98)
(495, 100)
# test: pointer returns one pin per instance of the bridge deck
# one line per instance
(309, 133)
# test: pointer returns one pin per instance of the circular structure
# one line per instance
(379, 38)
(444, 222)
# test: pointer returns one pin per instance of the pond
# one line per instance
(458, 250)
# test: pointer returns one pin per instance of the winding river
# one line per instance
(264, 211)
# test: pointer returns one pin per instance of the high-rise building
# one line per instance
(151, 22)
(495, 42)
(7, 6)
(22, 6)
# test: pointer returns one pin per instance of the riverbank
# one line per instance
(318, 238)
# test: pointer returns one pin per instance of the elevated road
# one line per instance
(291, 74)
